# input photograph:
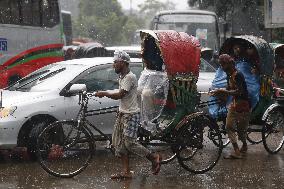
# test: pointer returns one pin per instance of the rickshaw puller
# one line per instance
(239, 109)
(124, 137)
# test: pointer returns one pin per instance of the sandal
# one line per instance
(156, 166)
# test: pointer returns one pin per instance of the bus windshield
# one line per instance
(204, 27)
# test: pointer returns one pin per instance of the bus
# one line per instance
(199, 23)
(31, 36)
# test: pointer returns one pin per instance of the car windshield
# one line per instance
(205, 66)
(37, 77)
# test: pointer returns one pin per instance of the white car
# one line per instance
(42, 97)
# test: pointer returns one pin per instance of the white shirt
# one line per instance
(128, 104)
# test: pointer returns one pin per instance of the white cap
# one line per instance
(120, 55)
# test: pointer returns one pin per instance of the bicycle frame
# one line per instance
(83, 122)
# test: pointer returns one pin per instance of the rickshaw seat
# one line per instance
(182, 99)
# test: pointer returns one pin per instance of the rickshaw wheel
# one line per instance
(157, 145)
(197, 152)
(164, 149)
(273, 132)
(254, 138)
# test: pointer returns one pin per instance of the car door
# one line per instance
(101, 78)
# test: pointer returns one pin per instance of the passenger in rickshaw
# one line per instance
(252, 59)
(245, 55)
(239, 108)
(279, 70)
(153, 86)
(124, 137)
(246, 62)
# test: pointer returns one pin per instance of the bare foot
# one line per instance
(156, 164)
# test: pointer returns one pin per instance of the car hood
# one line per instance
(205, 81)
(15, 98)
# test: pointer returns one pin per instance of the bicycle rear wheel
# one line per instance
(196, 138)
(273, 132)
(64, 149)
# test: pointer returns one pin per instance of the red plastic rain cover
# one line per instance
(181, 52)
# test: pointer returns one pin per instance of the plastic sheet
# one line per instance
(220, 81)
(153, 87)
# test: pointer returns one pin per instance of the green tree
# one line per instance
(278, 35)
(104, 21)
(150, 7)
(243, 16)
(223, 8)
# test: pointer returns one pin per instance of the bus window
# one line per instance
(29, 12)
(5, 16)
(15, 13)
(51, 11)
(36, 12)
(26, 12)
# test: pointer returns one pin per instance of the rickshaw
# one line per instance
(273, 130)
(257, 68)
(169, 117)
(89, 50)
(279, 64)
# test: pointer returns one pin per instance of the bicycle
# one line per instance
(65, 148)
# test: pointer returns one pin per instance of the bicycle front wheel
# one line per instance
(64, 149)
(273, 132)
(196, 139)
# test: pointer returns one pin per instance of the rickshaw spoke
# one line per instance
(198, 153)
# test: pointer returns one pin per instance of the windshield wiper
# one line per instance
(34, 75)
(42, 78)
(51, 74)
(27, 78)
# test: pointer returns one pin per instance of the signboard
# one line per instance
(201, 34)
(274, 13)
(3, 44)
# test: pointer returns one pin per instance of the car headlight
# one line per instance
(5, 112)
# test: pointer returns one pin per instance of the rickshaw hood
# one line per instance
(264, 51)
(179, 52)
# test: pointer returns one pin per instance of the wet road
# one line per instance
(257, 170)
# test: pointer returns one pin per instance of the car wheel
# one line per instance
(37, 127)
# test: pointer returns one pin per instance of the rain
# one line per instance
(141, 94)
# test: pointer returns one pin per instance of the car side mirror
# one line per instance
(77, 88)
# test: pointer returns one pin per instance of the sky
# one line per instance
(180, 4)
